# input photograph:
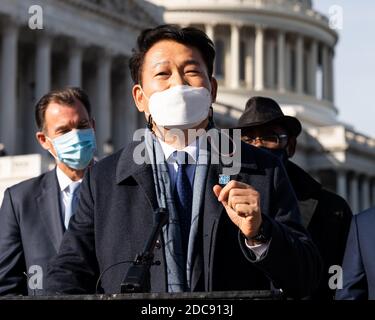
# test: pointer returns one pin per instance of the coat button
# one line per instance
(157, 244)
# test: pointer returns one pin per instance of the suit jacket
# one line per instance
(31, 230)
(326, 216)
(114, 220)
(359, 259)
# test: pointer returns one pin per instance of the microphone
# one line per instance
(137, 278)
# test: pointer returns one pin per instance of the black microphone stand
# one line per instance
(137, 278)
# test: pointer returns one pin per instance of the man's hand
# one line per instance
(242, 203)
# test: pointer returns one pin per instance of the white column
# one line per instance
(259, 56)
(281, 61)
(250, 62)
(288, 66)
(75, 66)
(124, 111)
(235, 56)
(103, 107)
(341, 184)
(227, 62)
(325, 70)
(42, 81)
(313, 67)
(354, 201)
(8, 91)
(43, 65)
(365, 194)
(299, 64)
(270, 53)
(210, 31)
(131, 110)
(331, 75)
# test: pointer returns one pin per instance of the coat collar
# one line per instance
(127, 169)
(304, 185)
(126, 165)
(306, 189)
(48, 204)
(212, 212)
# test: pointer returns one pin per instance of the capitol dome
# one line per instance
(278, 48)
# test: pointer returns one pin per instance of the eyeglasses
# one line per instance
(271, 140)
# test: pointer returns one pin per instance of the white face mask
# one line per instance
(180, 107)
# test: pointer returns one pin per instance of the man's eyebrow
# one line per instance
(191, 61)
(186, 63)
(62, 128)
(67, 127)
(159, 63)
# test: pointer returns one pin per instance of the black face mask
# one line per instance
(281, 154)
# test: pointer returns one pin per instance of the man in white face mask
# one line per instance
(35, 213)
(241, 236)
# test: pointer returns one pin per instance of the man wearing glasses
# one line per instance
(324, 214)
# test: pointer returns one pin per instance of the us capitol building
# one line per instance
(83, 43)
(283, 49)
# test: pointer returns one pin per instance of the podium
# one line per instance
(196, 305)
(196, 296)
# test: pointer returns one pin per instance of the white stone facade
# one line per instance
(83, 43)
(284, 49)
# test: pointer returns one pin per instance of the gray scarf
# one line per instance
(177, 270)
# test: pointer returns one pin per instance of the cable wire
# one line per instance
(106, 269)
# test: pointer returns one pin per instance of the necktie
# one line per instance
(183, 196)
(71, 206)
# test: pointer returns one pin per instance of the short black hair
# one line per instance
(66, 96)
(188, 36)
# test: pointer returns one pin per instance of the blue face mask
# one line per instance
(75, 148)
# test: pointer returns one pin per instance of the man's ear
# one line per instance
(291, 147)
(41, 137)
(139, 98)
(213, 89)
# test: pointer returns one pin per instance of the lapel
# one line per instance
(212, 212)
(213, 208)
(307, 209)
(305, 188)
(195, 254)
(48, 206)
(141, 173)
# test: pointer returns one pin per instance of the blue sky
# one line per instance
(355, 63)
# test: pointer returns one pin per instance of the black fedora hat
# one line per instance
(261, 110)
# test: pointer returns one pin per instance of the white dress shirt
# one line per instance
(172, 163)
(192, 151)
(64, 183)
